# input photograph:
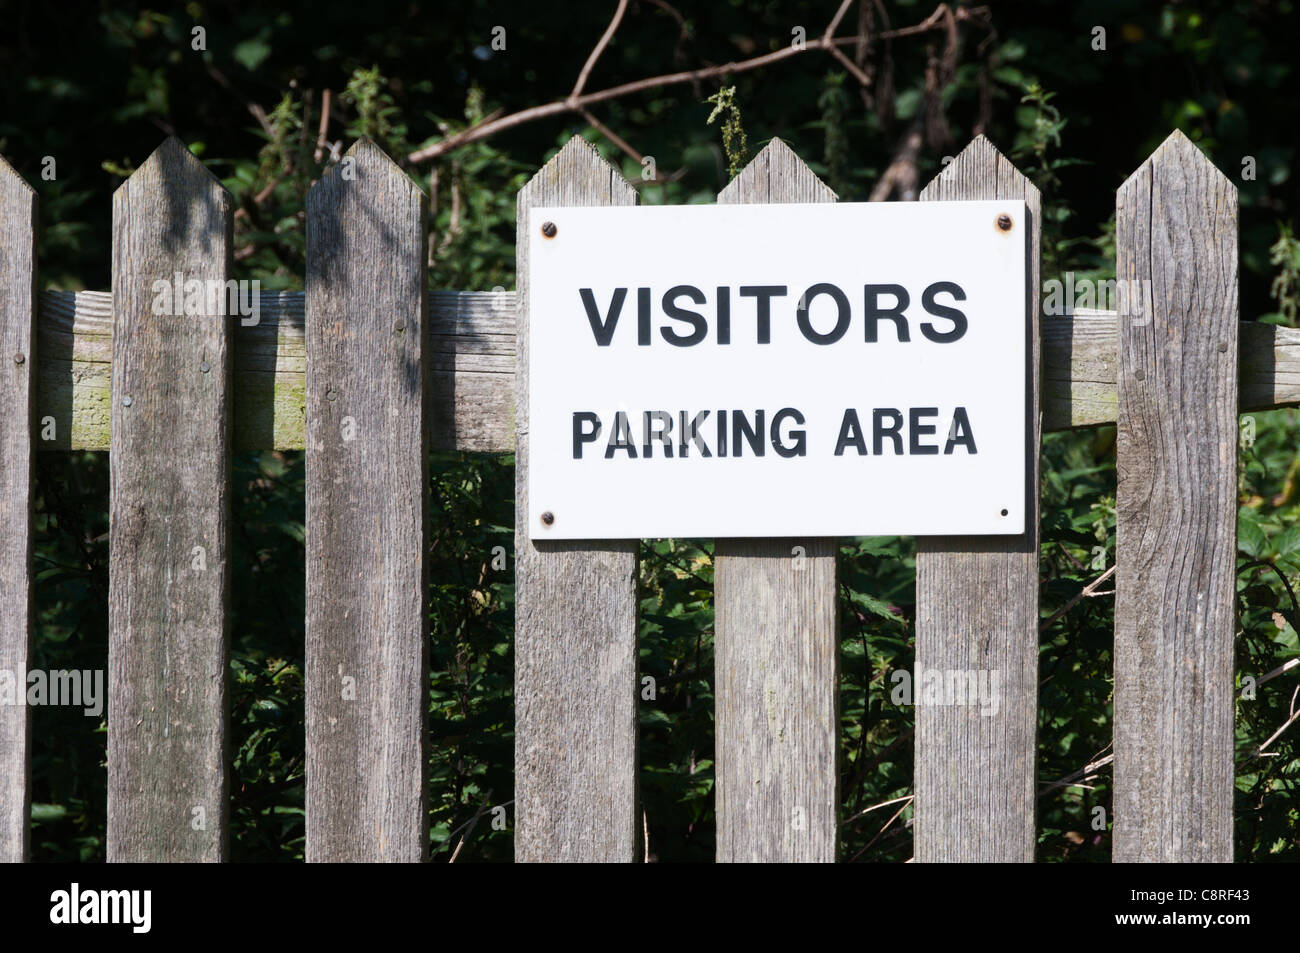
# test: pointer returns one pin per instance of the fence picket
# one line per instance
(18, 373)
(1176, 525)
(776, 648)
(575, 619)
(168, 514)
(367, 385)
(977, 610)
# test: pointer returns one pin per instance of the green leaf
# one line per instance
(251, 53)
(1289, 541)
(1251, 539)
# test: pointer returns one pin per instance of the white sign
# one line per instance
(777, 370)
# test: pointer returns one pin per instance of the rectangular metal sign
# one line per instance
(845, 369)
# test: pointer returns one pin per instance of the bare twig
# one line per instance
(472, 823)
(881, 833)
(876, 807)
(610, 135)
(578, 100)
(600, 48)
(849, 65)
(1086, 773)
(1284, 667)
(1260, 752)
(835, 20)
(324, 125)
(1088, 590)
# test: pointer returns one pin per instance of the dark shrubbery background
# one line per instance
(98, 86)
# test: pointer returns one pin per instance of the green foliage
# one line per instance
(834, 106)
(734, 142)
(1041, 126)
(1285, 256)
(377, 115)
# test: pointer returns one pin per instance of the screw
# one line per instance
(548, 518)
(399, 324)
(1004, 512)
(126, 401)
(19, 358)
(1004, 222)
(549, 229)
(205, 367)
(330, 395)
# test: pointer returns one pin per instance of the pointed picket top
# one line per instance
(577, 175)
(17, 209)
(11, 181)
(365, 158)
(1178, 152)
(776, 174)
(172, 202)
(173, 159)
(979, 171)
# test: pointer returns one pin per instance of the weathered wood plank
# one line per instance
(977, 611)
(1176, 524)
(1078, 355)
(776, 648)
(575, 620)
(168, 513)
(17, 395)
(472, 360)
(367, 503)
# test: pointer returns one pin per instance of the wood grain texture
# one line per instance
(168, 512)
(575, 620)
(776, 648)
(1176, 524)
(977, 611)
(17, 395)
(472, 360)
(367, 383)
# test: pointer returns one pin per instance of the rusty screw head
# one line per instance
(1004, 222)
(19, 358)
(549, 229)
(548, 518)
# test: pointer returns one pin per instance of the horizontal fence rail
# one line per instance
(472, 363)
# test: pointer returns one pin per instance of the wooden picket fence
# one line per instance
(368, 372)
